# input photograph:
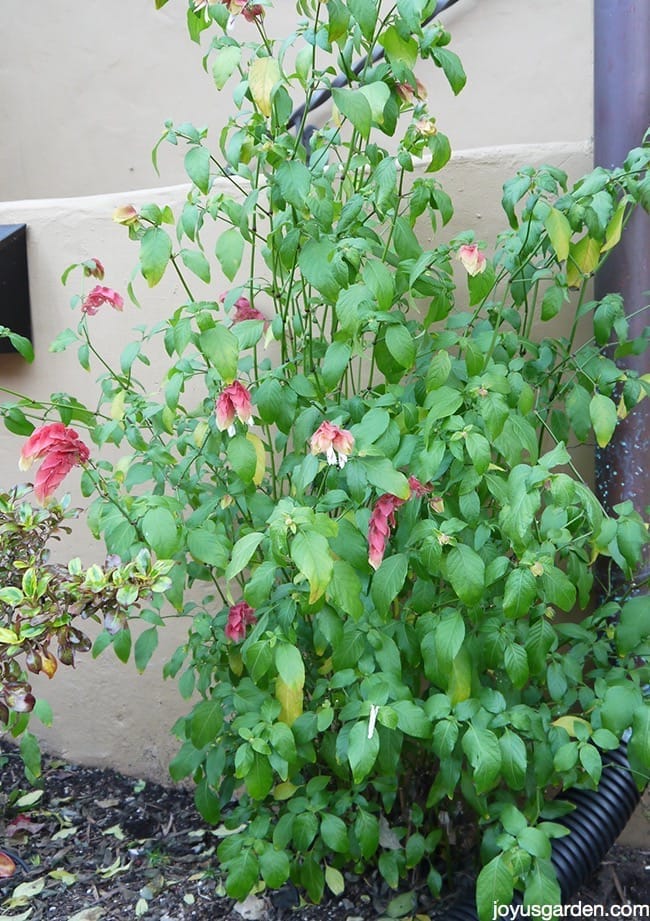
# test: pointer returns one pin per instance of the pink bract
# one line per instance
(234, 400)
(99, 296)
(336, 443)
(472, 259)
(60, 448)
(239, 617)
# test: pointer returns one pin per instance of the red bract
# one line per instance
(239, 617)
(382, 520)
(60, 448)
(101, 295)
(234, 400)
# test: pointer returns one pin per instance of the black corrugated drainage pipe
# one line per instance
(596, 822)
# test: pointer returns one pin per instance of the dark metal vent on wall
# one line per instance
(14, 283)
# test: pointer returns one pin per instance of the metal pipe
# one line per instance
(621, 119)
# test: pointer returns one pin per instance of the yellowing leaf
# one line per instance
(559, 231)
(117, 406)
(290, 699)
(260, 466)
(460, 678)
(615, 227)
(263, 74)
(569, 722)
(583, 259)
(8, 637)
(283, 791)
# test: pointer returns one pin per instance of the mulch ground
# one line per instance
(99, 846)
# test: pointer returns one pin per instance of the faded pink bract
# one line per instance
(93, 267)
(472, 259)
(234, 400)
(334, 442)
(61, 450)
(240, 616)
(101, 295)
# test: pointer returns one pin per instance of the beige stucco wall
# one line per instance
(85, 88)
(105, 712)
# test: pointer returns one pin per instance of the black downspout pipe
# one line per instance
(621, 119)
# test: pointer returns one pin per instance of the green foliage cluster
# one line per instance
(361, 703)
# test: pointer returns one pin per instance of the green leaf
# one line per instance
(398, 48)
(293, 180)
(224, 64)
(478, 448)
(558, 588)
(197, 167)
(542, 887)
(620, 704)
(362, 751)
(205, 722)
(258, 658)
(520, 592)
(22, 345)
(275, 867)
(554, 299)
(466, 572)
(242, 553)
(207, 802)
(243, 875)
(355, 107)
(335, 881)
(207, 546)
(377, 94)
(243, 457)
(365, 12)
(311, 553)
(411, 719)
(221, 349)
(196, 262)
(145, 646)
(638, 747)
(560, 232)
(493, 886)
(305, 829)
(155, 253)
(290, 665)
(160, 530)
(388, 580)
(334, 833)
(335, 363)
(263, 74)
(516, 664)
(382, 475)
(259, 778)
(401, 345)
(514, 760)
(602, 412)
(438, 371)
(229, 251)
(452, 68)
(366, 830)
(345, 589)
(484, 753)
(121, 643)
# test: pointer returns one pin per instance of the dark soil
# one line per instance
(99, 845)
